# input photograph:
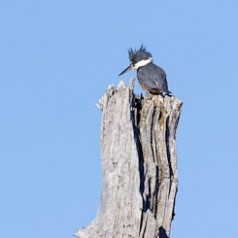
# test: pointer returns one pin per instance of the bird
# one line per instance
(151, 77)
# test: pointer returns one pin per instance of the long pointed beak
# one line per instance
(127, 69)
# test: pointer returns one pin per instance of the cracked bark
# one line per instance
(139, 165)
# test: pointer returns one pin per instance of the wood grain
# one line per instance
(139, 165)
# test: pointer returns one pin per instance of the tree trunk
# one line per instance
(139, 165)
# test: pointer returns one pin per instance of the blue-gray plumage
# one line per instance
(151, 77)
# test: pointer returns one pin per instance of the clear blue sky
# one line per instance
(58, 57)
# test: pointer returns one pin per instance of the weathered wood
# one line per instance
(139, 167)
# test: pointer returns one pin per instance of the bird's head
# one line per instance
(138, 58)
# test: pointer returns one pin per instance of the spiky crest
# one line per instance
(137, 55)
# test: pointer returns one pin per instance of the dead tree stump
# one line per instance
(139, 165)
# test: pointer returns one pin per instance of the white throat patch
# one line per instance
(142, 63)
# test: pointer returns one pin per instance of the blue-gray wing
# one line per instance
(153, 79)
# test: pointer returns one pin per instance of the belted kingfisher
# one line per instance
(151, 77)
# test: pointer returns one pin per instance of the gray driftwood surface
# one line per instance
(139, 165)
